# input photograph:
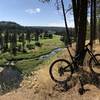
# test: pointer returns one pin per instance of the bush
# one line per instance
(30, 46)
(50, 36)
(19, 47)
(38, 44)
(62, 38)
(41, 36)
(24, 51)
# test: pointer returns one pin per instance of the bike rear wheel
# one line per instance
(95, 64)
(60, 70)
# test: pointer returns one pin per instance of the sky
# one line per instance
(33, 13)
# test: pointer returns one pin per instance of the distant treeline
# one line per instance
(12, 27)
(17, 38)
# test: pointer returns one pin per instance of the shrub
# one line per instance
(24, 51)
(62, 38)
(19, 47)
(50, 36)
(38, 44)
(30, 46)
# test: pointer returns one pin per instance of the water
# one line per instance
(52, 53)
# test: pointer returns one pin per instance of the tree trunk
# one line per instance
(23, 41)
(1, 42)
(93, 22)
(99, 30)
(95, 19)
(14, 43)
(67, 39)
(37, 35)
(28, 37)
(6, 36)
(82, 26)
(76, 9)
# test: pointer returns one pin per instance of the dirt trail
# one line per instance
(39, 86)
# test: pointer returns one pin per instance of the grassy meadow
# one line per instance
(27, 62)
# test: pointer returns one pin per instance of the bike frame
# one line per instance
(75, 63)
(92, 55)
(69, 41)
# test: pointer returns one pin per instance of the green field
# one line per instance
(27, 62)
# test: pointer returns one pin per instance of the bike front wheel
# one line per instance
(94, 64)
(60, 70)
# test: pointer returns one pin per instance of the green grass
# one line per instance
(28, 62)
(27, 66)
(47, 46)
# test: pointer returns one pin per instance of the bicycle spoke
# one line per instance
(95, 65)
(58, 70)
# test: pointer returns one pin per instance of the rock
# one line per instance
(9, 78)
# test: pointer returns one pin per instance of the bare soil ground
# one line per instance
(39, 86)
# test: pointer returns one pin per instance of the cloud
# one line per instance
(33, 11)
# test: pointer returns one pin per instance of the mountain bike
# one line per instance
(61, 70)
